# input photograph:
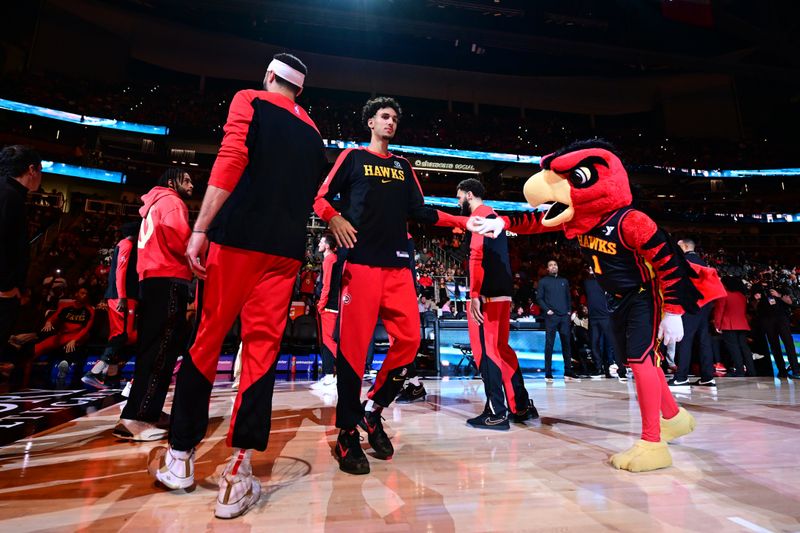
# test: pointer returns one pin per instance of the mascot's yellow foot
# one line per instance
(679, 425)
(643, 457)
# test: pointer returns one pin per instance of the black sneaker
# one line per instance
(412, 393)
(530, 413)
(352, 458)
(705, 383)
(674, 382)
(489, 421)
(98, 381)
(372, 423)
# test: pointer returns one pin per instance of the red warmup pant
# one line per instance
(257, 287)
(117, 323)
(328, 327)
(369, 292)
(56, 342)
(495, 358)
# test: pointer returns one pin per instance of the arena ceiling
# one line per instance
(541, 37)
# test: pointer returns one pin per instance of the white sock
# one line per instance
(178, 454)
(415, 381)
(242, 456)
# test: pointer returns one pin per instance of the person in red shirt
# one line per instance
(488, 319)
(122, 297)
(164, 278)
(730, 319)
(328, 307)
(66, 329)
(248, 244)
(308, 281)
(378, 192)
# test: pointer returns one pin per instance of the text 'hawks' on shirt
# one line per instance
(385, 172)
(597, 244)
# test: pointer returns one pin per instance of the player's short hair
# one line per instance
(330, 240)
(296, 64)
(372, 106)
(474, 186)
(130, 229)
(16, 158)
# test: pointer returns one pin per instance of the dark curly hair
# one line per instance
(474, 186)
(372, 107)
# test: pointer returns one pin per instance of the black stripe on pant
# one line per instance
(162, 338)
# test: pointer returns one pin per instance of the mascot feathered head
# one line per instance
(585, 180)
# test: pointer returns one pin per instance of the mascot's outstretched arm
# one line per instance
(519, 222)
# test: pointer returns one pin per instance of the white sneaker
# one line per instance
(173, 472)
(327, 380)
(139, 431)
(239, 489)
(548, 380)
(127, 390)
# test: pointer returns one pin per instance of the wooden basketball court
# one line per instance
(736, 472)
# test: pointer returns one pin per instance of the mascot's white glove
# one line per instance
(491, 227)
(671, 328)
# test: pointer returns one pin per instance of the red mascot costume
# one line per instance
(648, 281)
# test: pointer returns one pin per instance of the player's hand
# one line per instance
(70, 347)
(48, 327)
(671, 329)
(490, 227)
(196, 252)
(475, 310)
(344, 232)
(122, 305)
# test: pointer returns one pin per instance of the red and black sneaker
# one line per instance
(352, 458)
(530, 413)
(372, 423)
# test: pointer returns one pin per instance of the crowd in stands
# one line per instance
(78, 257)
(188, 112)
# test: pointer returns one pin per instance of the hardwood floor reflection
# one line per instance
(736, 472)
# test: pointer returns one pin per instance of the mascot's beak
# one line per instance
(548, 186)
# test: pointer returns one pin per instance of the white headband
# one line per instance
(290, 74)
